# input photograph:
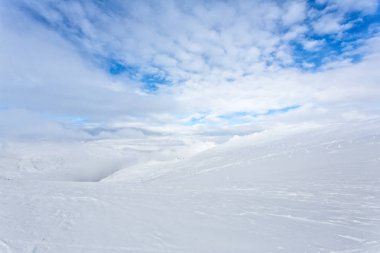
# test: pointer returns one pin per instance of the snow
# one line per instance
(311, 188)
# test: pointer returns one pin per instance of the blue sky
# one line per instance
(176, 64)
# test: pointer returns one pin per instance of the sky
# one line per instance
(76, 69)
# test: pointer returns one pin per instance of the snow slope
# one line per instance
(306, 189)
(306, 152)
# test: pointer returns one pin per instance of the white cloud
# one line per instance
(294, 12)
(312, 44)
(365, 6)
(332, 19)
(42, 72)
(230, 60)
(329, 23)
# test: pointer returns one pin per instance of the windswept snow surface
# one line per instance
(308, 188)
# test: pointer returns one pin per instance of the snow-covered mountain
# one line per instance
(305, 188)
